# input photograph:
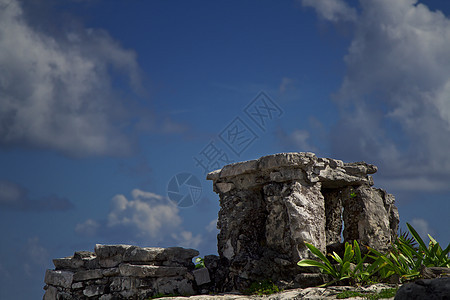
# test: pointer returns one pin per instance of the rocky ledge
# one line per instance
(305, 294)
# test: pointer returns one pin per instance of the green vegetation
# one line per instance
(265, 287)
(386, 293)
(404, 260)
(199, 262)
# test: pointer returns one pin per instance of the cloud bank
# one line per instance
(332, 10)
(395, 98)
(15, 197)
(56, 92)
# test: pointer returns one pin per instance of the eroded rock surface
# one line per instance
(121, 272)
(271, 206)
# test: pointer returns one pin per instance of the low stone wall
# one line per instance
(122, 272)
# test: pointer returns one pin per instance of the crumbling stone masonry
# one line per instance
(272, 205)
(269, 208)
(121, 272)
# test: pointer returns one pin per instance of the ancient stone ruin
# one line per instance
(121, 272)
(272, 205)
(269, 208)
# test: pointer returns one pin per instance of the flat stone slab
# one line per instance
(59, 278)
(155, 254)
(331, 172)
(150, 271)
(107, 251)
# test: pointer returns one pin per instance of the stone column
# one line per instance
(370, 217)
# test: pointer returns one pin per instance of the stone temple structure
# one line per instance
(270, 207)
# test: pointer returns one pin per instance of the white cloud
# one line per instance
(394, 101)
(422, 227)
(150, 214)
(332, 10)
(145, 217)
(56, 92)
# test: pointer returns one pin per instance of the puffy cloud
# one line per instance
(332, 10)
(150, 214)
(144, 217)
(56, 91)
(394, 100)
(15, 197)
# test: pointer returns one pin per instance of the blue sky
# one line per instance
(102, 103)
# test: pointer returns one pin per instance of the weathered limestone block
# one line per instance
(59, 278)
(50, 293)
(106, 251)
(366, 218)
(87, 275)
(155, 255)
(174, 285)
(93, 290)
(304, 204)
(201, 276)
(129, 270)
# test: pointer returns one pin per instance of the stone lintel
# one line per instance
(284, 167)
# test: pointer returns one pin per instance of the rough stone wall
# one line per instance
(121, 272)
(272, 205)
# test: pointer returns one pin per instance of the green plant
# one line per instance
(406, 258)
(386, 293)
(338, 272)
(199, 262)
(433, 255)
(265, 287)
